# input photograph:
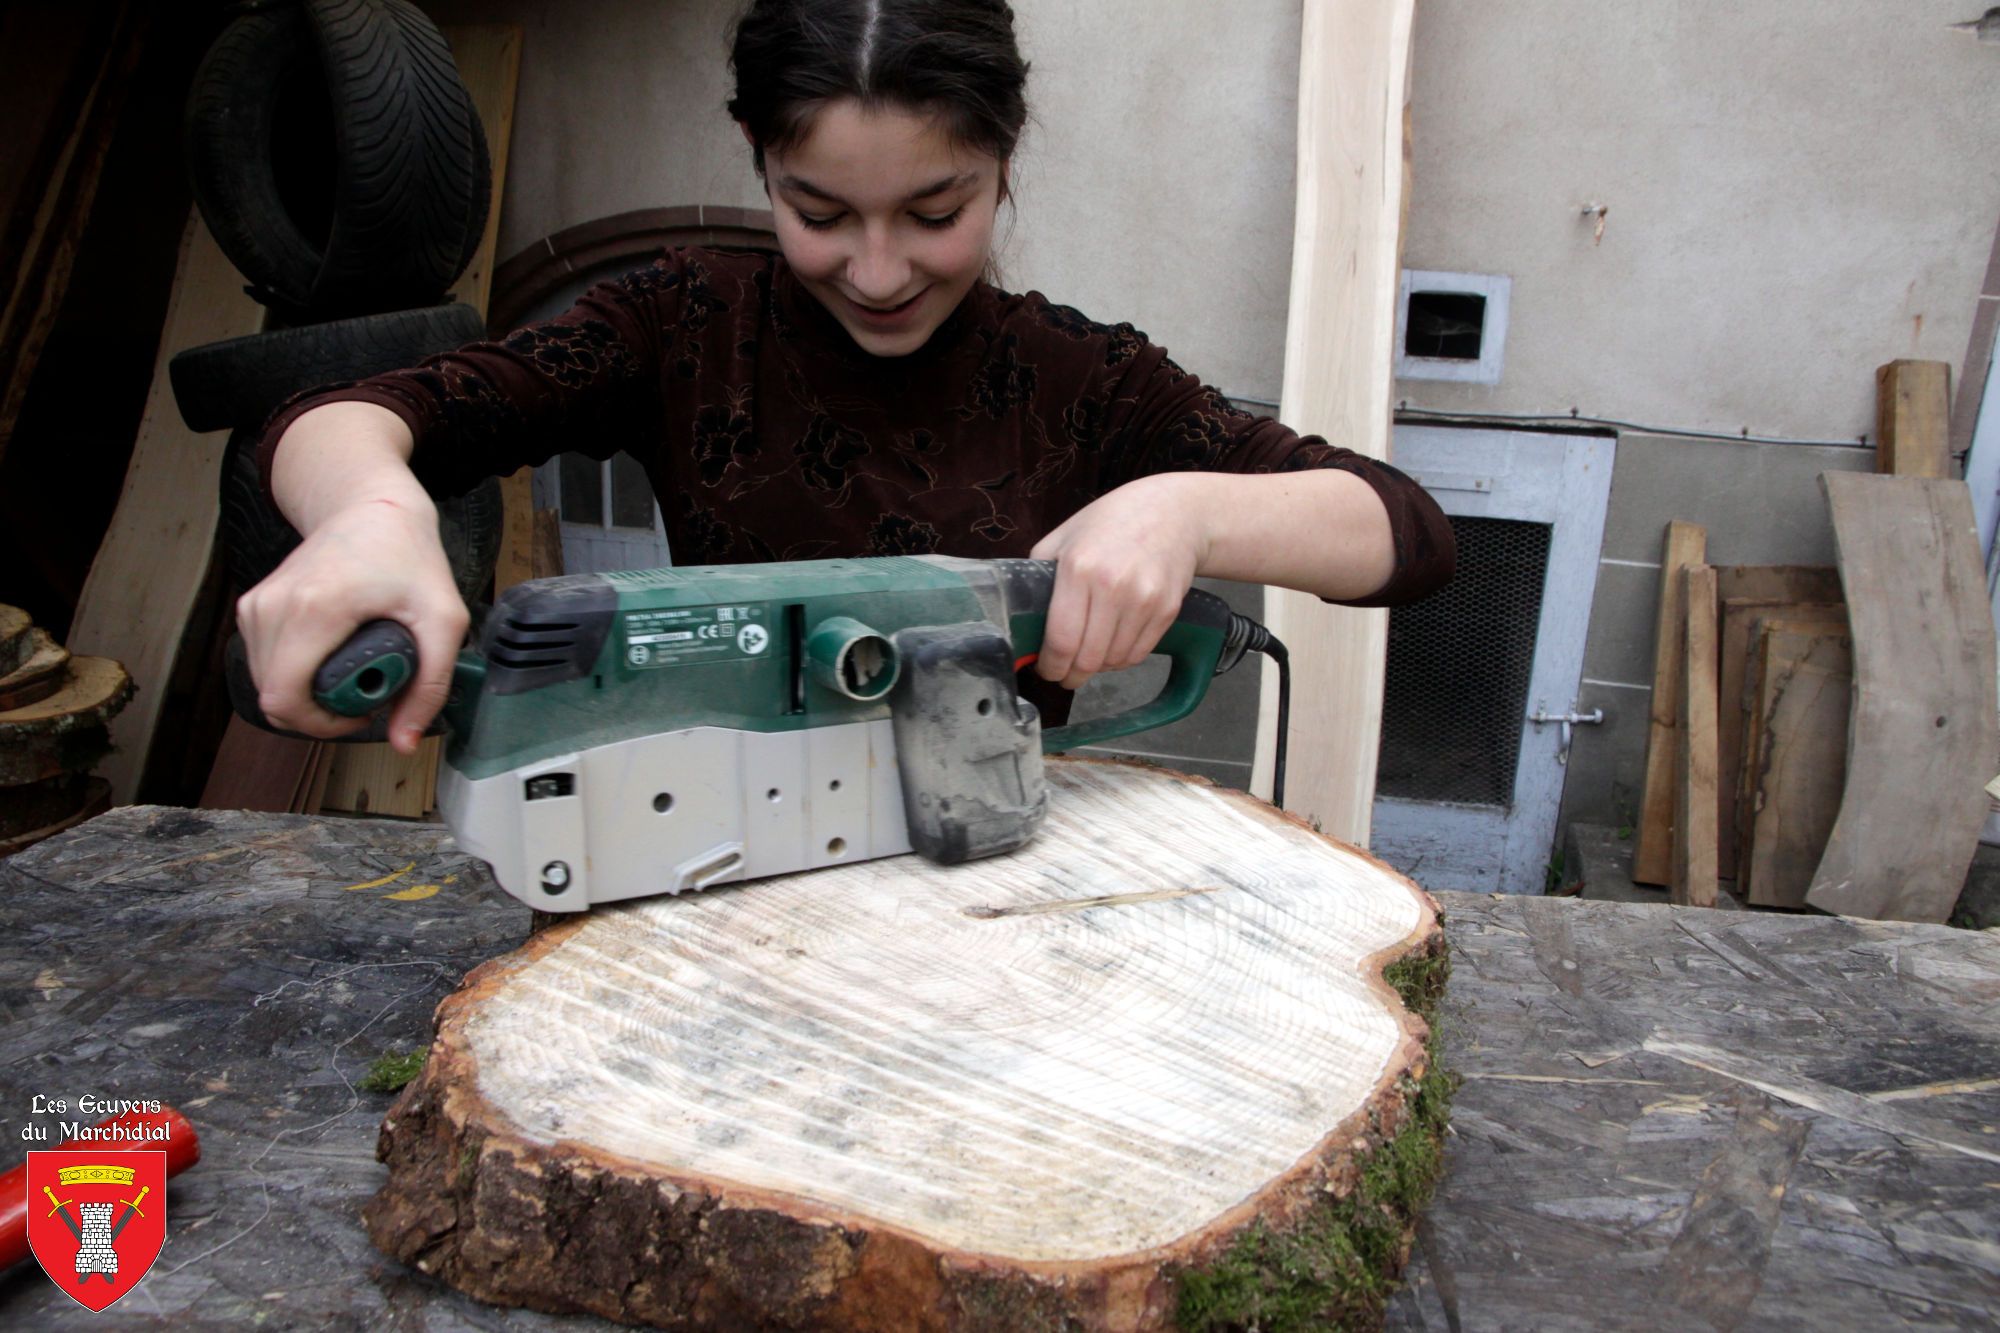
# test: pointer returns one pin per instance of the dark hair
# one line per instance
(953, 58)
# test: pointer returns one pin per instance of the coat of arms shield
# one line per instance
(97, 1219)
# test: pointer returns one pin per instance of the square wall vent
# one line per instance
(1451, 326)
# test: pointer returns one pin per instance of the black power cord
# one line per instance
(1247, 636)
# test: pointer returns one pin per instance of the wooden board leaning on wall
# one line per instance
(1684, 545)
(1794, 756)
(1923, 739)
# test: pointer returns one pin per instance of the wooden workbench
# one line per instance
(1669, 1117)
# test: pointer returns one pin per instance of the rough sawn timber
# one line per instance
(1035, 1091)
(1921, 739)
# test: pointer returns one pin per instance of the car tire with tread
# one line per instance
(240, 381)
(336, 156)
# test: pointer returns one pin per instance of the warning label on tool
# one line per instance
(694, 634)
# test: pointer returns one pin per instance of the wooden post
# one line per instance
(1913, 419)
(1653, 854)
(1339, 349)
(1697, 809)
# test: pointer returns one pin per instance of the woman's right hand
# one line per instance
(376, 559)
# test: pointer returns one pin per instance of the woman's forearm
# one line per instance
(340, 455)
(1321, 531)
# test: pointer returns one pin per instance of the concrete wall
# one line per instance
(1797, 193)
(1162, 195)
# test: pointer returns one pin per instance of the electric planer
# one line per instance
(620, 735)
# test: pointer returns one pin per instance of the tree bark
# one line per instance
(1100, 1083)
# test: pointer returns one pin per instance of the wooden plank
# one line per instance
(1799, 766)
(1738, 616)
(1913, 419)
(1819, 584)
(1695, 807)
(488, 56)
(373, 778)
(1354, 70)
(1686, 544)
(370, 778)
(516, 561)
(489, 59)
(154, 557)
(255, 770)
(1739, 820)
(1922, 742)
(312, 796)
(548, 547)
(1766, 586)
(39, 243)
(1740, 817)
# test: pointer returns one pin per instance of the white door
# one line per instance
(1469, 780)
(610, 520)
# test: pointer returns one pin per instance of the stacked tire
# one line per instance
(340, 165)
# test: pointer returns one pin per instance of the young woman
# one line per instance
(867, 393)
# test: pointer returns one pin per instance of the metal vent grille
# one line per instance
(1458, 670)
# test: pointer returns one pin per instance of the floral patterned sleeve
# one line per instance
(586, 381)
(1162, 419)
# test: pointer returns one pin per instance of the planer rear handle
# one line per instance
(1194, 644)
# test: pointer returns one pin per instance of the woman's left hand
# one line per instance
(1123, 566)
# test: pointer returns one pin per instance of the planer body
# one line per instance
(622, 735)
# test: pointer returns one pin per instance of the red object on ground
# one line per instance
(183, 1150)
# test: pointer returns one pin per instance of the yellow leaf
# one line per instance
(416, 893)
(386, 879)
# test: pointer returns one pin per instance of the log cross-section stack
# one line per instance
(55, 710)
(1101, 1083)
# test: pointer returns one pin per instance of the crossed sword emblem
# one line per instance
(132, 1210)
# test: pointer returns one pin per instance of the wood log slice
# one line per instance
(14, 642)
(39, 674)
(48, 756)
(39, 804)
(67, 731)
(1146, 1072)
(94, 801)
(93, 690)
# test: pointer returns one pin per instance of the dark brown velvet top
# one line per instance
(769, 435)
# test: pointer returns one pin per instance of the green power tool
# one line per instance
(627, 734)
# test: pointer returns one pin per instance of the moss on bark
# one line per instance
(1337, 1266)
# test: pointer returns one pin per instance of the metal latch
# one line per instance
(1541, 716)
